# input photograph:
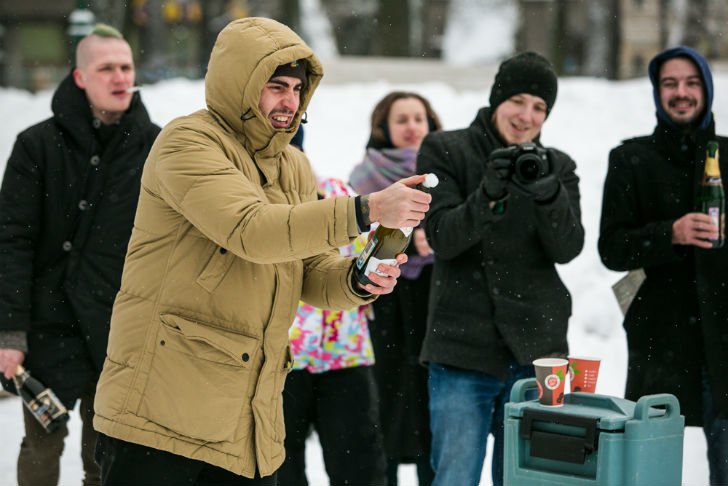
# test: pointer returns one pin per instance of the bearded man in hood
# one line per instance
(676, 324)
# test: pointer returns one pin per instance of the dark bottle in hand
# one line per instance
(386, 243)
(41, 401)
(712, 197)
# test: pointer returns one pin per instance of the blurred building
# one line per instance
(413, 28)
(173, 38)
(34, 44)
(169, 37)
(580, 37)
(617, 38)
(702, 24)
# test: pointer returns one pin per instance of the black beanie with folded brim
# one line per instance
(295, 69)
(526, 72)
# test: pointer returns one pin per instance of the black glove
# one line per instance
(542, 189)
(498, 171)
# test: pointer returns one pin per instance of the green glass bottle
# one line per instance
(386, 243)
(712, 197)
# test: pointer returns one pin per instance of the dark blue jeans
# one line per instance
(466, 406)
(716, 437)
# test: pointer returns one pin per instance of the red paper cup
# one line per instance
(583, 373)
(551, 379)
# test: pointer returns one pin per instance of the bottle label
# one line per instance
(48, 410)
(407, 230)
(42, 412)
(366, 252)
(714, 213)
(374, 263)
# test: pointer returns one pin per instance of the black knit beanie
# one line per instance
(526, 72)
(295, 69)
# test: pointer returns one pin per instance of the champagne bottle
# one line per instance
(386, 243)
(41, 401)
(712, 197)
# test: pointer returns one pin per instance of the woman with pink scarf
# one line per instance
(399, 123)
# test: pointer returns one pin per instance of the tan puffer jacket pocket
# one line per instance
(215, 270)
(199, 383)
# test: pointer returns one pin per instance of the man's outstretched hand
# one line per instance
(399, 205)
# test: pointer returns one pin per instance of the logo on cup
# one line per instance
(552, 382)
(550, 378)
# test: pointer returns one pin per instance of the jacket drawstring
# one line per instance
(247, 115)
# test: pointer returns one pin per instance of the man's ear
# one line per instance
(78, 78)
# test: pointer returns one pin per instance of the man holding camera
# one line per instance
(503, 214)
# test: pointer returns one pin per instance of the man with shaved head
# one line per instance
(105, 70)
(67, 205)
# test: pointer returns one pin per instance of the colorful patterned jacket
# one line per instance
(324, 340)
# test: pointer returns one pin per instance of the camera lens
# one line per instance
(529, 167)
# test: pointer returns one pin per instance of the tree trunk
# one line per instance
(392, 34)
(434, 18)
(109, 12)
(354, 23)
(696, 33)
(601, 44)
(292, 15)
(214, 18)
(560, 42)
(153, 44)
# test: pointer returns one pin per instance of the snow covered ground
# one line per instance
(590, 117)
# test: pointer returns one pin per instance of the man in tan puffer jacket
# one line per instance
(228, 236)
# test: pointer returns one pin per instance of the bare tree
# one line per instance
(354, 23)
(153, 43)
(109, 11)
(392, 34)
(600, 51)
(560, 41)
(434, 16)
(292, 14)
(695, 33)
(214, 18)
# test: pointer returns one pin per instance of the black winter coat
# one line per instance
(67, 207)
(495, 292)
(678, 322)
(397, 331)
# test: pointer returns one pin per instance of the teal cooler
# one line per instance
(592, 440)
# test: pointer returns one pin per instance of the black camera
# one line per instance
(530, 162)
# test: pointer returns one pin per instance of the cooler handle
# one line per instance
(642, 409)
(555, 445)
(521, 387)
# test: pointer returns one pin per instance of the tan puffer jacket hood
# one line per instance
(235, 78)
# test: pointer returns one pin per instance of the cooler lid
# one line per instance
(609, 413)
